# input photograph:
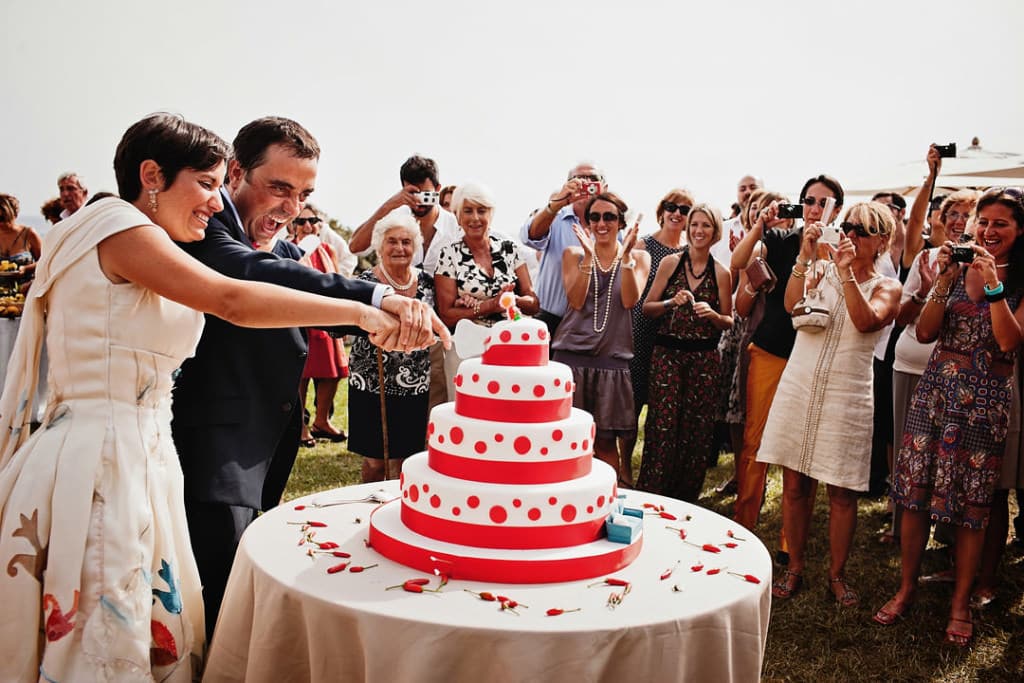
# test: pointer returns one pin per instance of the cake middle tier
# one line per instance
(510, 452)
(484, 515)
(513, 393)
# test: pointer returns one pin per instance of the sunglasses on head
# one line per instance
(1015, 192)
(672, 207)
(810, 201)
(608, 217)
(859, 230)
(312, 220)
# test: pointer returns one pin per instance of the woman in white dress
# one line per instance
(815, 429)
(100, 582)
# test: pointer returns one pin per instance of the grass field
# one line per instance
(810, 638)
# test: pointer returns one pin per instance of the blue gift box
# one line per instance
(623, 528)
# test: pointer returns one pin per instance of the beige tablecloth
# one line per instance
(284, 618)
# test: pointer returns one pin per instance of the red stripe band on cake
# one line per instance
(512, 410)
(516, 354)
(487, 536)
(509, 471)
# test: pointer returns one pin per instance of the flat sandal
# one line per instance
(788, 585)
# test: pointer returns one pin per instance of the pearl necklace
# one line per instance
(391, 281)
(597, 261)
(613, 269)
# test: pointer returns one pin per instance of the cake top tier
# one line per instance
(517, 342)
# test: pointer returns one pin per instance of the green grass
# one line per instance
(810, 638)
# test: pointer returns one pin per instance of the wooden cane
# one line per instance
(383, 409)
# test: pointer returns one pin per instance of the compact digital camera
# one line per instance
(791, 211)
(947, 151)
(427, 198)
(962, 253)
(591, 188)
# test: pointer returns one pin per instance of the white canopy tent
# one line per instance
(973, 167)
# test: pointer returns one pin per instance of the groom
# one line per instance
(236, 412)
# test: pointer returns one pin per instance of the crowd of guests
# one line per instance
(786, 330)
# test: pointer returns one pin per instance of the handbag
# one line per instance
(811, 313)
(759, 274)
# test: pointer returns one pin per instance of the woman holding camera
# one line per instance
(772, 341)
(957, 425)
(692, 298)
(603, 281)
(824, 398)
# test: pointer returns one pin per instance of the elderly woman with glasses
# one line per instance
(956, 430)
(691, 298)
(815, 428)
(603, 280)
(396, 238)
(668, 239)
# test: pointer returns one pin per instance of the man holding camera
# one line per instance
(550, 231)
(421, 186)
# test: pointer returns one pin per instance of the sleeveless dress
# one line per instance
(685, 369)
(955, 434)
(644, 327)
(820, 419)
(99, 583)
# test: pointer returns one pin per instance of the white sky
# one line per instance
(661, 94)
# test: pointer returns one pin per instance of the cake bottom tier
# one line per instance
(390, 537)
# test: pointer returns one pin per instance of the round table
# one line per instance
(286, 618)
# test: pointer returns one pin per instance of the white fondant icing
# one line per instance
(519, 383)
(534, 330)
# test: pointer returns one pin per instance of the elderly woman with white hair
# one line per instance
(395, 239)
(473, 272)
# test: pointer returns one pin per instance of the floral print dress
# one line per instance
(955, 435)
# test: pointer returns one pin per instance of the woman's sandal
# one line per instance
(890, 612)
(847, 596)
(788, 585)
(959, 636)
(308, 443)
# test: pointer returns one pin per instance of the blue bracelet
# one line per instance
(998, 289)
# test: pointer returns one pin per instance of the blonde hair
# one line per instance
(712, 213)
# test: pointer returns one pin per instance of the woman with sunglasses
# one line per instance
(954, 441)
(691, 298)
(772, 341)
(603, 281)
(815, 428)
(671, 215)
(326, 361)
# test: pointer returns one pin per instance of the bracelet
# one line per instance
(806, 264)
(669, 304)
(918, 299)
(938, 298)
(799, 274)
(628, 266)
(476, 308)
(996, 296)
(998, 289)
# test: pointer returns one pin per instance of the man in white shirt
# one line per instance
(72, 193)
(732, 229)
(438, 227)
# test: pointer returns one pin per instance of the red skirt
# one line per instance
(326, 359)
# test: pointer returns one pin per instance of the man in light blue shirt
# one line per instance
(550, 231)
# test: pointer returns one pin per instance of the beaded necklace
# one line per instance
(391, 281)
(613, 269)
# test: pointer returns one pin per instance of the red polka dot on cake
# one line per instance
(544, 450)
(435, 501)
(538, 391)
(533, 514)
(456, 435)
(569, 513)
(522, 445)
(414, 493)
(480, 447)
(493, 387)
(590, 509)
(401, 479)
(543, 334)
(430, 428)
(499, 437)
(458, 380)
(515, 388)
(552, 501)
(585, 444)
(473, 502)
(568, 387)
(505, 336)
(556, 435)
(558, 382)
(573, 445)
(516, 503)
(456, 511)
(525, 336)
(405, 494)
(600, 501)
(440, 438)
(426, 488)
(476, 377)
(487, 340)
(593, 430)
(498, 514)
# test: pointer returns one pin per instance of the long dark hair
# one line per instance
(1013, 199)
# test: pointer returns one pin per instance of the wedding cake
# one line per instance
(508, 489)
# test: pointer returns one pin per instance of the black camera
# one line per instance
(791, 211)
(962, 254)
(947, 151)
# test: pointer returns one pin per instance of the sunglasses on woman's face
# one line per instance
(312, 220)
(810, 201)
(608, 217)
(672, 207)
(858, 229)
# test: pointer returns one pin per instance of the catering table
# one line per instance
(286, 618)
(8, 335)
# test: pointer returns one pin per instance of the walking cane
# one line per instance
(383, 410)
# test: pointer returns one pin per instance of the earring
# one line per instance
(152, 201)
